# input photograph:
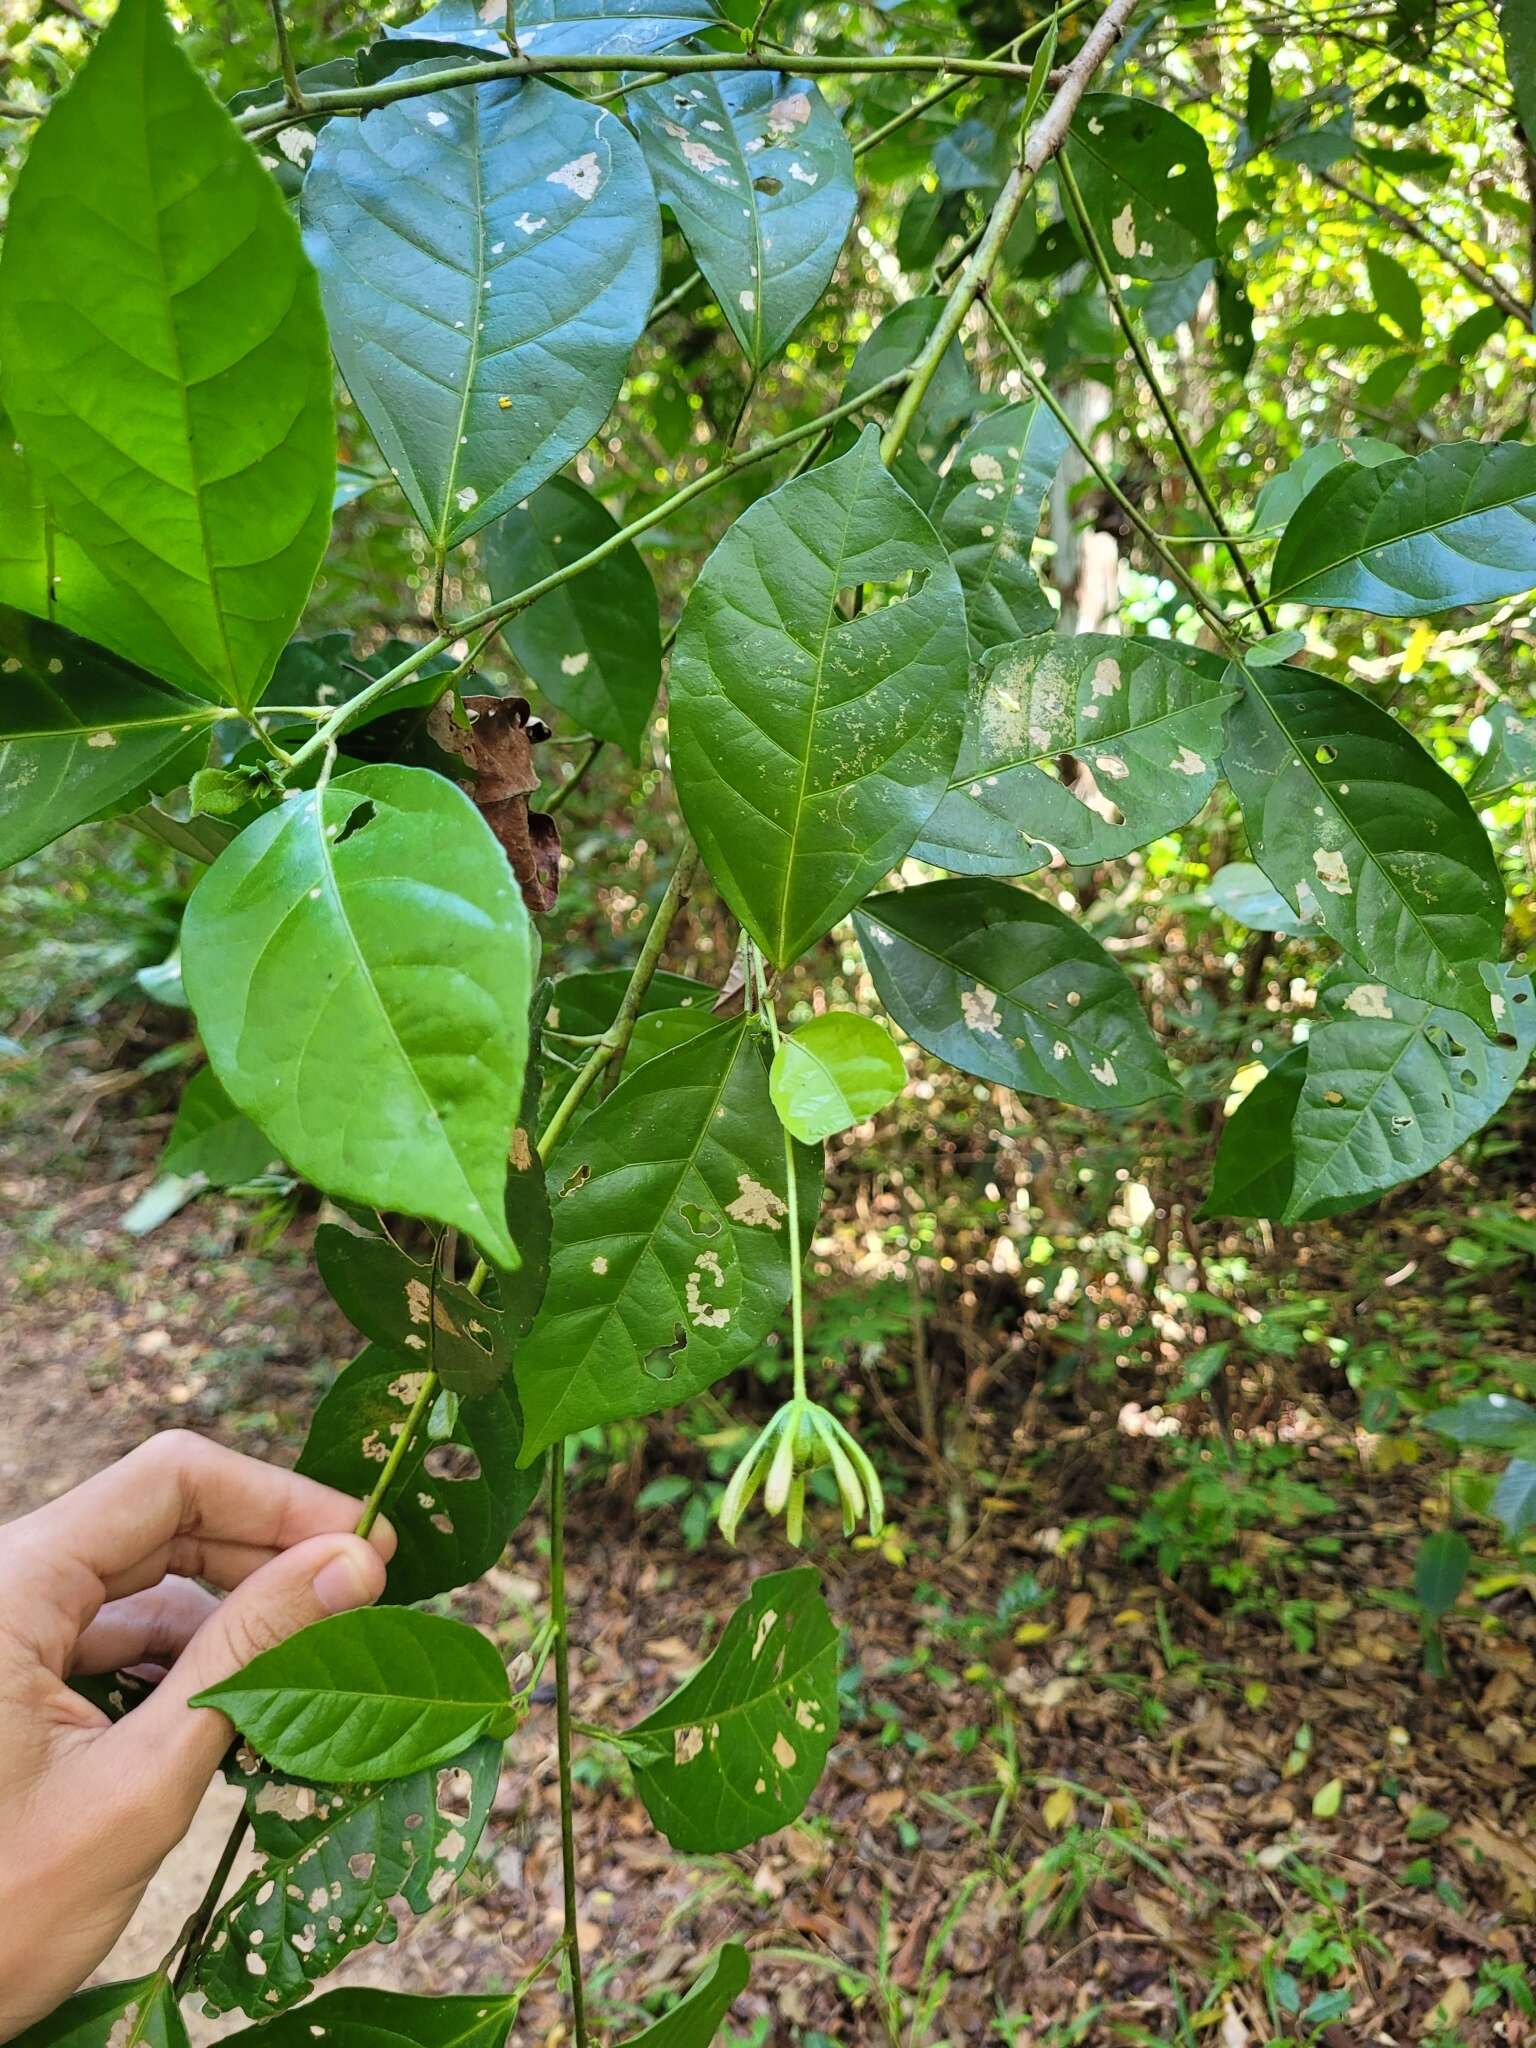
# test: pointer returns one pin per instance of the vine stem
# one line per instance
(1181, 441)
(195, 1933)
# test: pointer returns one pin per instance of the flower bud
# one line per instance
(800, 1439)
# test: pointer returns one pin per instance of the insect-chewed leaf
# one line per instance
(986, 513)
(372, 931)
(1146, 181)
(737, 1751)
(212, 1138)
(334, 1859)
(1256, 1161)
(488, 258)
(1003, 985)
(1454, 525)
(170, 379)
(808, 747)
(360, 2017)
(140, 2014)
(759, 173)
(1508, 758)
(1358, 828)
(593, 646)
(1089, 746)
(83, 734)
(459, 1492)
(408, 1307)
(378, 1693)
(671, 1259)
(563, 28)
(834, 1071)
(696, 2019)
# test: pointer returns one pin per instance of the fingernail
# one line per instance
(343, 1582)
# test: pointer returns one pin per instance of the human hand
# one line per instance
(102, 1579)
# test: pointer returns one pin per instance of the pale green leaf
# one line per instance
(736, 1753)
(373, 930)
(1243, 892)
(1507, 760)
(169, 376)
(1006, 986)
(1285, 490)
(1146, 183)
(809, 747)
(695, 2020)
(488, 258)
(1514, 1499)
(210, 1137)
(378, 1693)
(835, 1070)
(987, 512)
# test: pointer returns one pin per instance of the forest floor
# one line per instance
(1074, 1800)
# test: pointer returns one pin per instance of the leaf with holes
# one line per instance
(140, 2014)
(835, 1070)
(1359, 829)
(1091, 746)
(334, 1858)
(459, 1491)
(1255, 1160)
(211, 1138)
(488, 258)
(809, 747)
(696, 2019)
(987, 512)
(1454, 525)
(593, 646)
(83, 734)
(671, 1258)
(406, 1305)
(170, 380)
(378, 1693)
(1146, 182)
(373, 928)
(1507, 759)
(758, 171)
(1006, 986)
(736, 1753)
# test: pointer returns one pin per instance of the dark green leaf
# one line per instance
(1234, 314)
(379, 1693)
(670, 1262)
(1398, 105)
(809, 748)
(758, 171)
(586, 1004)
(140, 2014)
(1440, 1571)
(1146, 183)
(736, 1753)
(971, 157)
(334, 1859)
(1360, 830)
(1517, 30)
(359, 2017)
(987, 512)
(1469, 335)
(488, 258)
(593, 646)
(305, 949)
(170, 377)
(1396, 295)
(210, 1137)
(1006, 986)
(1092, 745)
(1455, 525)
(1255, 1164)
(1260, 99)
(1494, 1421)
(834, 1071)
(1285, 491)
(895, 345)
(83, 734)
(409, 1308)
(927, 222)
(696, 2019)
(1508, 760)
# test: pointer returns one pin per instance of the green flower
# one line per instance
(800, 1439)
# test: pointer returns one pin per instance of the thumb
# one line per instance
(170, 1750)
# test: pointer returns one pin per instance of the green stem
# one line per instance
(324, 734)
(195, 1933)
(420, 1409)
(791, 1195)
(291, 87)
(573, 782)
(557, 1614)
(1143, 355)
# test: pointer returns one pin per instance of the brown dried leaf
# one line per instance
(497, 749)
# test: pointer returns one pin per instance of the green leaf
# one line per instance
(1455, 525)
(333, 1860)
(83, 734)
(1356, 827)
(586, 1004)
(987, 513)
(1260, 99)
(488, 258)
(563, 28)
(460, 1491)
(758, 171)
(737, 1751)
(169, 376)
(1285, 491)
(140, 2014)
(593, 646)
(670, 1261)
(408, 1307)
(1398, 105)
(696, 2019)
(1494, 1421)
(1508, 759)
(809, 748)
(1396, 295)
(1243, 892)
(1440, 1571)
(1517, 30)
(210, 1137)
(359, 2017)
(971, 157)
(836, 1070)
(1092, 745)
(1146, 183)
(378, 1693)
(1346, 327)
(1006, 986)
(375, 929)
(1255, 1161)
(1514, 1498)
(895, 345)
